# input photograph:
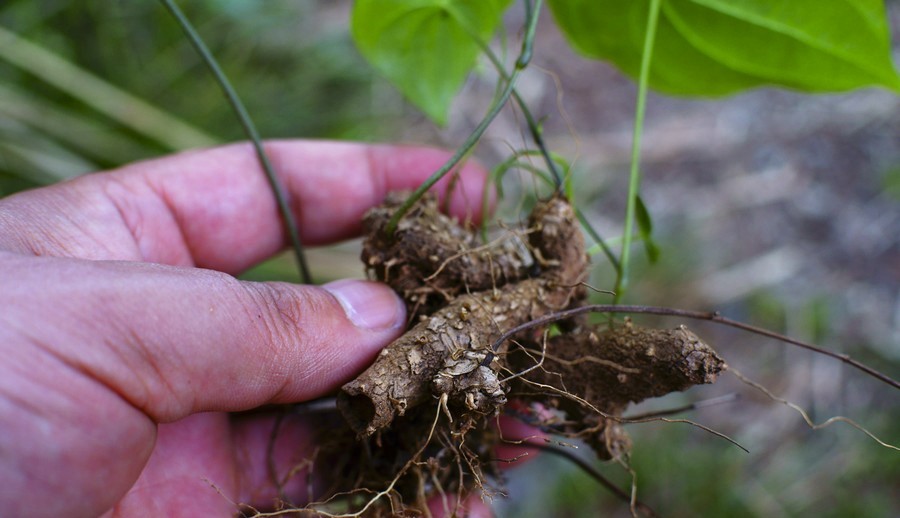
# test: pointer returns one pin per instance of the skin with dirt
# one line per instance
(420, 419)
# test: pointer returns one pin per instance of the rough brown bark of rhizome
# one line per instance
(420, 418)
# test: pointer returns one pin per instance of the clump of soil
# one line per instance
(420, 419)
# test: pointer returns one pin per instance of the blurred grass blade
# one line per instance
(101, 142)
(36, 159)
(42, 166)
(102, 96)
(278, 190)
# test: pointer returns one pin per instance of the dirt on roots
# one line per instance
(421, 421)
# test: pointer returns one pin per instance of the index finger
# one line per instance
(214, 208)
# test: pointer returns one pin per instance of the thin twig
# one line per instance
(586, 404)
(586, 359)
(684, 313)
(727, 398)
(533, 367)
(623, 495)
(705, 428)
(250, 129)
(533, 127)
(809, 422)
(538, 138)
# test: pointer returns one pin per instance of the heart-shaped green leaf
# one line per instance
(716, 47)
(426, 48)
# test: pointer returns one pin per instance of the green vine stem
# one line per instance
(634, 183)
(604, 246)
(496, 175)
(536, 134)
(250, 129)
(551, 160)
(516, 161)
(532, 12)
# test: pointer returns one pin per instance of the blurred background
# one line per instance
(773, 207)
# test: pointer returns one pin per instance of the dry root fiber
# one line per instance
(604, 369)
(420, 414)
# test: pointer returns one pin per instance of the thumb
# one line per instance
(175, 341)
(297, 342)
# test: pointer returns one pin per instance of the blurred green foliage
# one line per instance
(891, 182)
(291, 62)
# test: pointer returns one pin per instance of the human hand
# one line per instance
(126, 342)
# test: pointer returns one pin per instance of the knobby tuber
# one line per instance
(463, 296)
(430, 259)
(609, 367)
(444, 352)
